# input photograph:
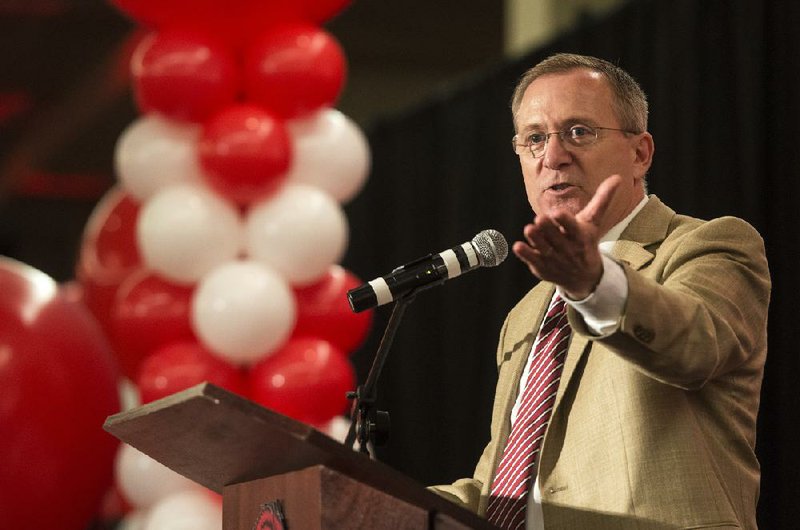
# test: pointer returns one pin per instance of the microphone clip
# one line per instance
(367, 425)
(371, 426)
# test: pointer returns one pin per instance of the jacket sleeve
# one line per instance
(699, 310)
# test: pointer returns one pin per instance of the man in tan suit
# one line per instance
(653, 421)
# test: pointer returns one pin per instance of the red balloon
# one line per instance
(324, 312)
(307, 379)
(59, 383)
(109, 252)
(235, 21)
(191, 13)
(180, 365)
(245, 152)
(294, 70)
(320, 11)
(148, 312)
(244, 20)
(153, 12)
(185, 75)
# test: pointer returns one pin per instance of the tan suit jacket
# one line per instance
(653, 424)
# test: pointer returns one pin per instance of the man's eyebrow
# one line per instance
(580, 120)
(569, 122)
(531, 127)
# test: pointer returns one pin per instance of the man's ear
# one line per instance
(643, 153)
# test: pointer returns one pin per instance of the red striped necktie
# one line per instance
(512, 481)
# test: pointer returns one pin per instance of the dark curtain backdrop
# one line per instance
(722, 80)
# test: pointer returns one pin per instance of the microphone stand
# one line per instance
(363, 427)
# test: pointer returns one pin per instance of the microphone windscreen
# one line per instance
(491, 248)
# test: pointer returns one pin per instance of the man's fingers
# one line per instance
(546, 235)
(528, 255)
(568, 224)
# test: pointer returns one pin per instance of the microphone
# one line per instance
(487, 249)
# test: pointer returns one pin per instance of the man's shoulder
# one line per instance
(726, 228)
(688, 239)
(657, 218)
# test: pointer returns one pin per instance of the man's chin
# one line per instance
(570, 203)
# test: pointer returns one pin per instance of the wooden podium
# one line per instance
(254, 457)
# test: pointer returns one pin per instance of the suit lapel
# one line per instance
(520, 337)
(650, 226)
(578, 346)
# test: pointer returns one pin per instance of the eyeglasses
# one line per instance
(576, 136)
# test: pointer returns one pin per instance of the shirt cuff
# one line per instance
(602, 310)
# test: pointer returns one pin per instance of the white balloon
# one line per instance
(154, 152)
(300, 232)
(243, 311)
(134, 520)
(185, 231)
(143, 481)
(129, 397)
(337, 428)
(329, 151)
(189, 510)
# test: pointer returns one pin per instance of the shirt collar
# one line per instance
(612, 235)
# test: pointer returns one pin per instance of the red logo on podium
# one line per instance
(271, 517)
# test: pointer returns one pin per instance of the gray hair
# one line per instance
(630, 102)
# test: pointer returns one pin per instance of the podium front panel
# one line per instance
(217, 439)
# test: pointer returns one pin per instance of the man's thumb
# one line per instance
(595, 211)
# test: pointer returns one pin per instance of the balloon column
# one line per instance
(216, 255)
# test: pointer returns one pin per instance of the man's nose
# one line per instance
(555, 153)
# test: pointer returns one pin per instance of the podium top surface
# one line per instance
(217, 438)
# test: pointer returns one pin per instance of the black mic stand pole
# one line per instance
(363, 427)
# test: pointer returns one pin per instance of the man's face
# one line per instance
(566, 177)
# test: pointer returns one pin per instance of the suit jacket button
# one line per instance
(643, 334)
